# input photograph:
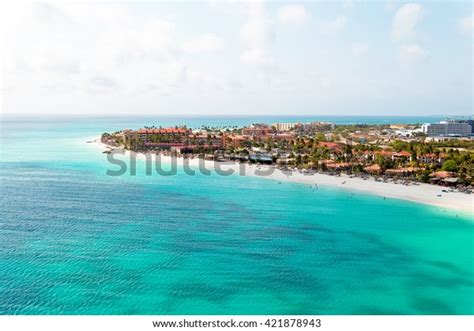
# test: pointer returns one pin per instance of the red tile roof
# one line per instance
(182, 145)
(403, 153)
(389, 153)
(443, 174)
(402, 170)
(163, 131)
(329, 144)
(340, 165)
(373, 168)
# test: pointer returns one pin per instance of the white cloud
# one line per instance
(257, 57)
(157, 34)
(348, 4)
(109, 55)
(293, 14)
(360, 48)
(206, 43)
(103, 82)
(333, 26)
(412, 53)
(466, 24)
(404, 33)
(404, 22)
(257, 36)
(257, 30)
(325, 82)
(390, 5)
(117, 57)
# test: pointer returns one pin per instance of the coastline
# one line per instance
(420, 193)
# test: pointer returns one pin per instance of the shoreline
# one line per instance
(420, 193)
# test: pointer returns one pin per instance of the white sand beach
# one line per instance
(420, 193)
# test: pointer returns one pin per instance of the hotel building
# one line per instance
(447, 128)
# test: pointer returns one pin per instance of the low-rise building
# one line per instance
(402, 155)
(146, 135)
(257, 131)
(432, 158)
(234, 141)
(402, 171)
(373, 169)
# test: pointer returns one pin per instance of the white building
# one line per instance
(407, 132)
(447, 128)
(313, 126)
(284, 126)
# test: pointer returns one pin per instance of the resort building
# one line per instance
(282, 136)
(447, 128)
(257, 130)
(234, 141)
(305, 127)
(205, 139)
(471, 123)
(285, 126)
(178, 139)
(156, 135)
(394, 156)
(432, 158)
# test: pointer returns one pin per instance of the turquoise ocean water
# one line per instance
(75, 241)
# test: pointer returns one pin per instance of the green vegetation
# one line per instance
(450, 165)
(349, 148)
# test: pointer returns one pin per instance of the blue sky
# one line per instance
(238, 58)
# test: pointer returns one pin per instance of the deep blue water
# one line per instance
(198, 121)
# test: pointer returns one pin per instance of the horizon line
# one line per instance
(2, 115)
